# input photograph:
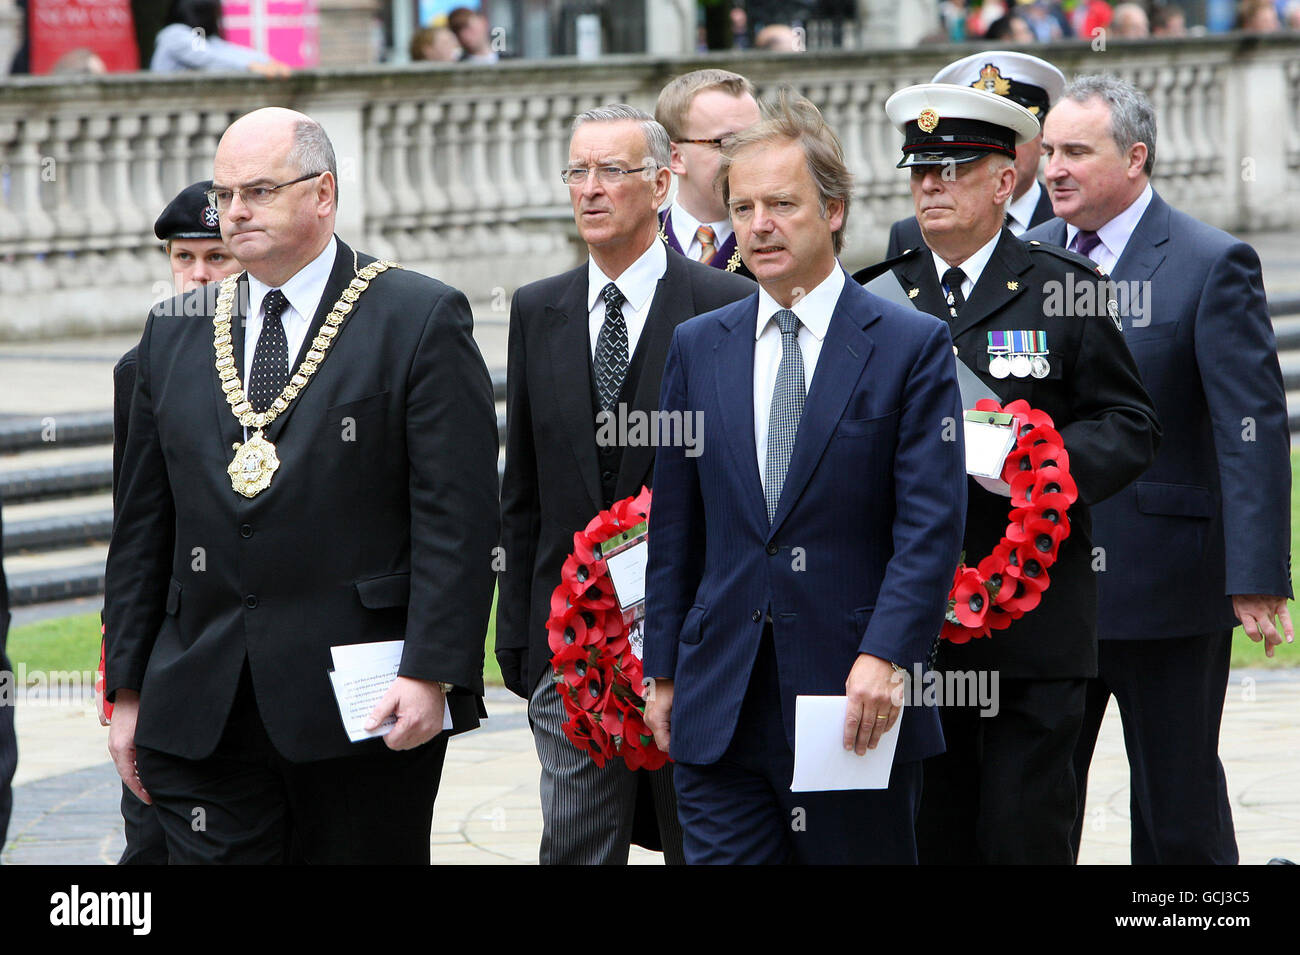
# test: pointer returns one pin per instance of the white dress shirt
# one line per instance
(303, 293)
(685, 226)
(1022, 210)
(972, 268)
(814, 310)
(637, 283)
(1114, 235)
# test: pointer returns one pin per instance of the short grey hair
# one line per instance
(312, 152)
(1132, 117)
(657, 147)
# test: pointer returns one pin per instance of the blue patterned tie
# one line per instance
(270, 372)
(787, 407)
(611, 350)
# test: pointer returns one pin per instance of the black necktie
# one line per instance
(271, 358)
(611, 350)
(952, 280)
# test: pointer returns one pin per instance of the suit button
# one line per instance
(771, 550)
(250, 601)
(757, 616)
(607, 476)
(245, 530)
(607, 449)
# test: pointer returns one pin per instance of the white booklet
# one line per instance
(821, 763)
(362, 674)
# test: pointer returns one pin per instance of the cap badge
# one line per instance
(211, 219)
(991, 79)
(928, 120)
(913, 292)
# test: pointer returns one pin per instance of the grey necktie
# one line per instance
(787, 407)
(270, 372)
(611, 350)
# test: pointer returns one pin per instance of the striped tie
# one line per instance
(706, 239)
(787, 407)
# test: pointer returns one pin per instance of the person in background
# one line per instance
(1257, 16)
(191, 40)
(191, 232)
(474, 33)
(435, 44)
(1168, 21)
(1011, 28)
(79, 62)
(1130, 22)
(8, 738)
(777, 38)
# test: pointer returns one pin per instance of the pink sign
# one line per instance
(285, 30)
(102, 26)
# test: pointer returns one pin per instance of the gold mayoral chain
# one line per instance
(255, 460)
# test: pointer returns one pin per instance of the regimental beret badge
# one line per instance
(928, 120)
(211, 219)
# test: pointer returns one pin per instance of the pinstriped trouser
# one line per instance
(587, 810)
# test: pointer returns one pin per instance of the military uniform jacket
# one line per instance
(379, 524)
(1096, 399)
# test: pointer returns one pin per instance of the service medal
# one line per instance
(1020, 366)
(999, 367)
(254, 464)
(1039, 367)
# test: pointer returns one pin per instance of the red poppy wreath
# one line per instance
(595, 656)
(1010, 582)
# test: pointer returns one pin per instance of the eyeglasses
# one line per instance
(715, 143)
(252, 195)
(605, 175)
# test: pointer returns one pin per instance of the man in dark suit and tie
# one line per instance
(8, 738)
(586, 350)
(359, 507)
(808, 550)
(1202, 540)
(701, 110)
(1004, 790)
(1033, 83)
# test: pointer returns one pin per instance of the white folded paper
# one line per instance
(362, 674)
(821, 763)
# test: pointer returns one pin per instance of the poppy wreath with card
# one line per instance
(1011, 581)
(597, 671)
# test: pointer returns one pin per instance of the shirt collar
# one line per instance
(638, 281)
(1022, 209)
(974, 265)
(685, 225)
(304, 289)
(814, 309)
(1115, 234)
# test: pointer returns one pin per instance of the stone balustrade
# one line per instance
(455, 170)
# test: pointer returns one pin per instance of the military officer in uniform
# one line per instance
(1004, 790)
(1033, 83)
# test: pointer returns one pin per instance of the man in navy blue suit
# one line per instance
(1201, 540)
(808, 546)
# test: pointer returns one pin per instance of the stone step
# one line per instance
(36, 483)
(55, 575)
(57, 531)
(28, 432)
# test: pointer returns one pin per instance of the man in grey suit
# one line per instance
(1200, 541)
(584, 345)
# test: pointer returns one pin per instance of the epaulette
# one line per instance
(863, 276)
(1033, 245)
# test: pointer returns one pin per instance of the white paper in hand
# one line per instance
(821, 763)
(362, 674)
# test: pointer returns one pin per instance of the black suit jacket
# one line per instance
(8, 738)
(379, 524)
(1096, 400)
(906, 233)
(552, 486)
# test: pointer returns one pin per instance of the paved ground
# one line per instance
(488, 812)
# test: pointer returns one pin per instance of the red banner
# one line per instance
(102, 26)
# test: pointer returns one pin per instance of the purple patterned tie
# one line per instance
(1085, 241)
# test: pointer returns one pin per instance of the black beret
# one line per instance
(189, 216)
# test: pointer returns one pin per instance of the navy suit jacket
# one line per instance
(1212, 516)
(861, 554)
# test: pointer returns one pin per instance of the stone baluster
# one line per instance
(92, 213)
(505, 142)
(455, 155)
(428, 175)
(147, 171)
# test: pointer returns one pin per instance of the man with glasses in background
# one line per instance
(701, 110)
(584, 345)
(310, 464)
